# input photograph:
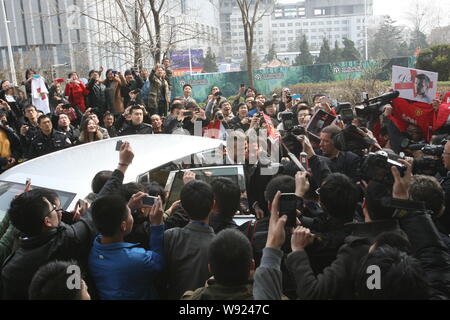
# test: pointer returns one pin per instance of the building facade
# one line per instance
(57, 36)
(316, 19)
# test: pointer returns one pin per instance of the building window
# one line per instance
(289, 24)
(290, 31)
(274, 25)
(329, 22)
(282, 24)
(298, 24)
(282, 32)
(305, 23)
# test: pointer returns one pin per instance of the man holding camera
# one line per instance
(214, 100)
(137, 125)
(132, 83)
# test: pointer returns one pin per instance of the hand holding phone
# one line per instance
(119, 145)
(149, 201)
(288, 207)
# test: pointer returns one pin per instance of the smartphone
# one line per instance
(242, 85)
(119, 145)
(304, 160)
(114, 72)
(288, 207)
(149, 201)
(188, 113)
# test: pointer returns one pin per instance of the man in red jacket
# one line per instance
(76, 91)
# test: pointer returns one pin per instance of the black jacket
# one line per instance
(236, 124)
(62, 243)
(73, 134)
(137, 83)
(96, 98)
(14, 140)
(143, 128)
(42, 144)
(430, 250)
(220, 222)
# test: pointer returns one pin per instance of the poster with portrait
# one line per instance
(319, 120)
(414, 84)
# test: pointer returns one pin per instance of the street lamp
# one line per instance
(8, 43)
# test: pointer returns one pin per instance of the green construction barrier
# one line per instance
(266, 80)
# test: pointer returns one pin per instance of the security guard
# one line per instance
(137, 125)
(47, 139)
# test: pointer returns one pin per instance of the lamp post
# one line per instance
(8, 43)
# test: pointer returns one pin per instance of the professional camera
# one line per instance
(287, 118)
(345, 111)
(351, 139)
(374, 107)
(377, 166)
(428, 166)
(411, 145)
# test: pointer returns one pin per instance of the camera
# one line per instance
(428, 166)
(287, 118)
(345, 111)
(218, 94)
(377, 166)
(188, 113)
(350, 139)
(373, 107)
(67, 105)
(219, 116)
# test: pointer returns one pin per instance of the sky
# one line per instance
(396, 9)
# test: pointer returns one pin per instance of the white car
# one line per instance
(70, 172)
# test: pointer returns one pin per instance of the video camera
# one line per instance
(373, 107)
(351, 139)
(287, 118)
(377, 166)
(345, 111)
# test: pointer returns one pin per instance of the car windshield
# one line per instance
(8, 190)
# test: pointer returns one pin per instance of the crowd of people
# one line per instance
(358, 210)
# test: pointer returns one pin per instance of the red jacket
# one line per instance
(76, 94)
(418, 113)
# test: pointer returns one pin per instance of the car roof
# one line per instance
(73, 169)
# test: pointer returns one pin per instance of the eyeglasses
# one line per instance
(60, 210)
(318, 191)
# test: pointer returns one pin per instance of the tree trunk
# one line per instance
(250, 68)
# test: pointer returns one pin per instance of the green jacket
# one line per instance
(216, 291)
(155, 91)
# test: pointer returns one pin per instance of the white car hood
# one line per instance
(73, 169)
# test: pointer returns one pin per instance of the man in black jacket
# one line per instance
(137, 125)
(227, 196)
(133, 84)
(45, 237)
(96, 98)
(47, 140)
(11, 151)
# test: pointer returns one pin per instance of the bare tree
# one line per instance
(147, 28)
(252, 12)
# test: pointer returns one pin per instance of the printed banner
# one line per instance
(268, 79)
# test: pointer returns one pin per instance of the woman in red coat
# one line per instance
(76, 91)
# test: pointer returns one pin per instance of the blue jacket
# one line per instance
(123, 271)
(145, 92)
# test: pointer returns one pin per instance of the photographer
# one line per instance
(76, 91)
(241, 120)
(213, 101)
(191, 115)
(133, 84)
(159, 96)
(244, 93)
(260, 100)
(175, 118)
(96, 98)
